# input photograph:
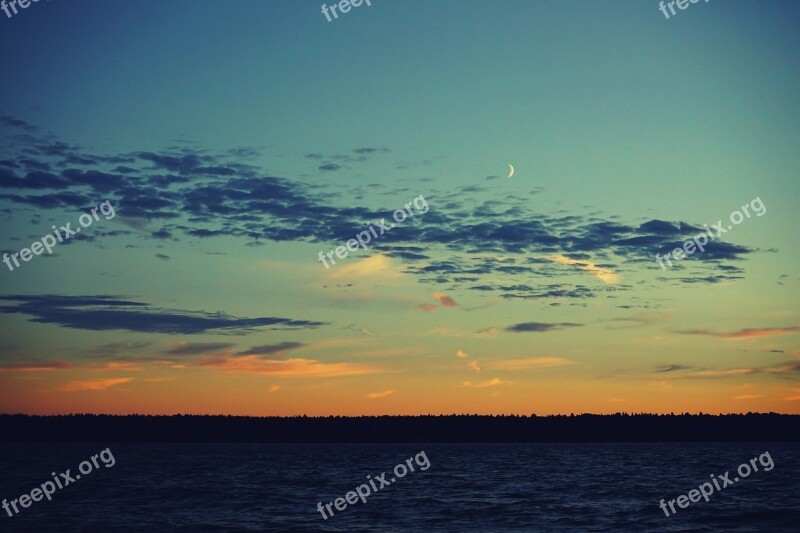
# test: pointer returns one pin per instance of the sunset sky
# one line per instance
(236, 141)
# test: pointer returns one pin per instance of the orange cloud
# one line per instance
(795, 397)
(445, 300)
(382, 394)
(483, 384)
(461, 354)
(604, 274)
(96, 384)
(428, 308)
(376, 265)
(251, 364)
(121, 365)
(747, 333)
(35, 365)
(474, 366)
(748, 396)
(531, 362)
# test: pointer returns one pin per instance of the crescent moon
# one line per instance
(510, 170)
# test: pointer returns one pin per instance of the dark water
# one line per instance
(468, 487)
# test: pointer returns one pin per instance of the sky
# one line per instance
(233, 152)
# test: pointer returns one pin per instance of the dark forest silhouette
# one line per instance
(426, 428)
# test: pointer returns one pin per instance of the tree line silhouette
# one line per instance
(620, 427)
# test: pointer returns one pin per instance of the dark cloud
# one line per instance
(541, 327)
(371, 150)
(17, 123)
(190, 193)
(100, 313)
(672, 368)
(270, 349)
(34, 364)
(115, 348)
(197, 348)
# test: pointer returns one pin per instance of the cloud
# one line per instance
(376, 265)
(461, 354)
(251, 364)
(531, 363)
(34, 365)
(445, 300)
(96, 384)
(271, 349)
(748, 396)
(379, 150)
(100, 313)
(541, 327)
(274, 388)
(427, 307)
(474, 366)
(193, 193)
(789, 369)
(603, 274)
(488, 332)
(672, 368)
(196, 348)
(445, 331)
(748, 333)
(115, 348)
(382, 394)
(483, 384)
(794, 398)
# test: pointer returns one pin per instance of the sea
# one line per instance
(465, 487)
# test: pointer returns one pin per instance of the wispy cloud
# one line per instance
(530, 363)
(748, 396)
(376, 265)
(462, 354)
(747, 333)
(272, 349)
(483, 384)
(672, 368)
(94, 384)
(474, 366)
(196, 348)
(109, 312)
(381, 394)
(34, 365)
(795, 397)
(252, 364)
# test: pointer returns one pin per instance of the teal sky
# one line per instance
(610, 113)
